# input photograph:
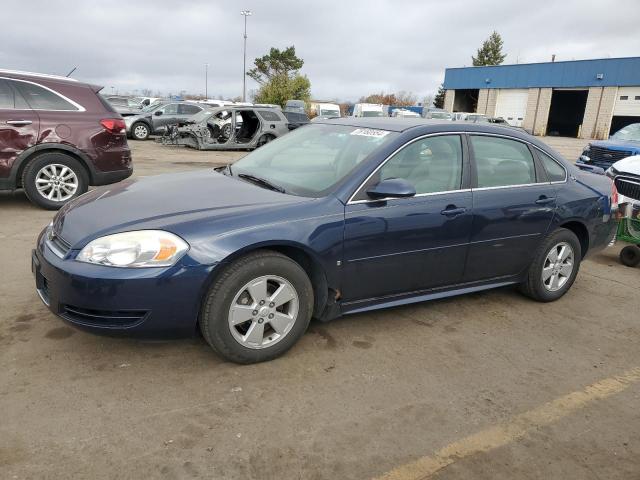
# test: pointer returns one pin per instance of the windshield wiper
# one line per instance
(261, 181)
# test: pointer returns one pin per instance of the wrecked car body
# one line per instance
(228, 128)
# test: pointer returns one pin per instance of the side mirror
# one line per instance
(392, 188)
(158, 113)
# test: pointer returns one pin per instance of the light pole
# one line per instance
(206, 81)
(244, 13)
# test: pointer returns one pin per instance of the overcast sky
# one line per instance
(350, 48)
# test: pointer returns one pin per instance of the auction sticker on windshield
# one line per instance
(369, 132)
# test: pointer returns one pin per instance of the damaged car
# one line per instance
(228, 128)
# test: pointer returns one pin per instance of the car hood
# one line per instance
(628, 165)
(617, 144)
(171, 202)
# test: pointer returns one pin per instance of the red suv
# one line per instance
(57, 137)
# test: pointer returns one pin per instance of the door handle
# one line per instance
(452, 211)
(19, 123)
(543, 200)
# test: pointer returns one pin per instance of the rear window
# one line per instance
(40, 98)
(554, 171)
(269, 115)
(189, 109)
(294, 117)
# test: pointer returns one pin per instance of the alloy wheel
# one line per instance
(558, 267)
(263, 312)
(140, 131)
(56, 182)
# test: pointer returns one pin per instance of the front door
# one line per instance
(513, 205)
(163, 116)
(19, 126)
(402, 245)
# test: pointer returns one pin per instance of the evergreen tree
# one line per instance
(438, 100)
(491, 52)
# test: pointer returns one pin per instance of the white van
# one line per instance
(326, 110)
(368, 110)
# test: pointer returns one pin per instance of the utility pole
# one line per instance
(206, 81)
(245, 14)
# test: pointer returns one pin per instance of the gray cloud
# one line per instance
(350, 48)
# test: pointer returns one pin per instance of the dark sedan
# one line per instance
(338, 217)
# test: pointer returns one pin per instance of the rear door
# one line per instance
(19, 127)
(513, 205)
(163, 116)
(186, 111)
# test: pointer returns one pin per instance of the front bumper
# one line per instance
(138, 302)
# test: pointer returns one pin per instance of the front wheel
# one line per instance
(257, 308)
(140, 131)
(263, 140)
(554, 267)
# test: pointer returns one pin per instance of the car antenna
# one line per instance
(73, 70)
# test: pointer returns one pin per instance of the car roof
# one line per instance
(32, 75)
(426, 126)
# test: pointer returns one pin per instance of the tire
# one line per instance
(630, 256)
(230, 290)
(140, 131)
(71, 177)
(264, 139)
(548, 290)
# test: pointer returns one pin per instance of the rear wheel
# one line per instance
(140, 131)
(52, 179)
(554, 267)
(257, 308)
(630, 256)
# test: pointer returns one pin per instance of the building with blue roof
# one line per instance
(581, 98)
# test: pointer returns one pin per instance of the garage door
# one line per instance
(512, 105)
(627, 102)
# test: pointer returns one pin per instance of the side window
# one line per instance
(6, 96)
(189, 109)
(171, 109)
(431, 164)
(555, 172)
(40, 98)
(269, 116)
(502, 162)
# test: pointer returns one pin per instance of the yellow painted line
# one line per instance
(514, 429)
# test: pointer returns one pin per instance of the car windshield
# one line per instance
(372, 113)
(312, 160)
(630, 132)
(152, 107)
(330, 113)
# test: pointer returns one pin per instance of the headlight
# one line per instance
(143, 248)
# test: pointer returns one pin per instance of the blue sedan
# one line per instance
(338, 217)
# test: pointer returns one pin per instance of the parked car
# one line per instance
(298, 106)
(459, 116)
(230, 128)
(145, 101)
(124, 106)
(154, 119)
(404, 113)
(325, 110)
(295, 117)
(57, 137)
(438, 115)
(368, 110)
(338, 217)
(477, 118)
(604, 153)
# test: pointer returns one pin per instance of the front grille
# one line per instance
(628, 187)
(103, 318)
(57, 244)
(604, 157)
